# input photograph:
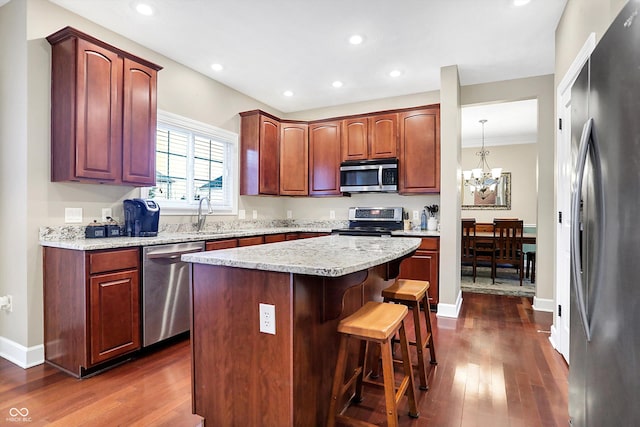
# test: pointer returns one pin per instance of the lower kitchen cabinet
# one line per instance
(91, 307)
(214, 245)
(424, 265)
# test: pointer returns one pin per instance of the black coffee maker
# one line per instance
(141, 218)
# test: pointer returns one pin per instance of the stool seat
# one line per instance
(406, 290)
(375, 320)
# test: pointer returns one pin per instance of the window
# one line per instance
(193, 160)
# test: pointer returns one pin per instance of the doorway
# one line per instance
(510, 142)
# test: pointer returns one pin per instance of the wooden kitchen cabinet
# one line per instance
(424, 265)
(273, 238)
(91, 307)
(103, 112)
(260, 154)
(370, 137)
(420, 151)
(294, 159)
(324, 158)
(250, 241)
(214, 245)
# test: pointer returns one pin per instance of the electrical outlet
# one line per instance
(73, 215)
(106, 212)
(268, 318)
(6, 303)
(255, 214)
(416, 215)
(289, 214)
(332, 214)
(241, 214)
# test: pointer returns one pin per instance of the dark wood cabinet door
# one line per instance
(220, 244)
(98, 110)
(269, 155)
(251, 241)
(424, 265)
(355, 143)
(114, 324)
(420, 151)
(324, 159)
(294, 159)
(139, 124)
(383, 136)
(273, 238)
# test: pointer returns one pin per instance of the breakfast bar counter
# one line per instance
(242, 376)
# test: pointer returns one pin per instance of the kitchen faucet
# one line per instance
(201, 218)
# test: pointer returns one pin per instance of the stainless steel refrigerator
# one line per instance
(604, 370)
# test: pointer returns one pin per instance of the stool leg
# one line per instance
(408, 372)
(389, 381)
(427, 315)
(533, 269)
(338, 380)
(420, 342)
(527, 263)
(362, 361)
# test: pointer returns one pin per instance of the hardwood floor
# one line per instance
(496, 367)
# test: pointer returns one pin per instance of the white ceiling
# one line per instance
(267, 47)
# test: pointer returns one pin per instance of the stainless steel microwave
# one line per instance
(369, 176)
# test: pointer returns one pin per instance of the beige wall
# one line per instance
(521, 161)
(14, 239)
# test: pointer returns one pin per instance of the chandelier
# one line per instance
(482, 179)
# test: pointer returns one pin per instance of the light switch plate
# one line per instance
(255, 214)
(289, 214)
(268, 319)
(332, 214)
(73, 215)
(241, 214)
(416, 215)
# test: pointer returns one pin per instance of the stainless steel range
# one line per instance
(365, 221)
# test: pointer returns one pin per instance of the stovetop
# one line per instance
(372, 221)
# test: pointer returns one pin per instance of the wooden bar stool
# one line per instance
(412, 293)
(375, 322)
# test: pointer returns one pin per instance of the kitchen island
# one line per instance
(242, 376)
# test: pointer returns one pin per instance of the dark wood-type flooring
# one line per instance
(496, 368)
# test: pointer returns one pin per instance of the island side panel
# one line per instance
(316, 339)
(240, 375)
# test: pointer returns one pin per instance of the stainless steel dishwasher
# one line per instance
(165, 291)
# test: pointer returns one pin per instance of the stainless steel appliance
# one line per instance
(365, 176)
(165, 291)
(372, 222)
(604, 353)
(141, 218)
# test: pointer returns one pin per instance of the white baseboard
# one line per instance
(450, 310)
(25, 357)
(541, 304)
(552, 337)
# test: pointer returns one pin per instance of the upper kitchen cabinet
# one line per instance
(324, 158)
(260, 154)
(370, 137)
(420, 151)
(103, 112)
(294, 159)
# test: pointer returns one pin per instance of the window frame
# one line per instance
(169, 120)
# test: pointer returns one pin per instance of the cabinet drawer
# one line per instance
(100, 262)
(221, 244)
(272, 238)
(430, 243)
(250, 241)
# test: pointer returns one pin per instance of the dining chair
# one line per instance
(468, 256)
(507, 237)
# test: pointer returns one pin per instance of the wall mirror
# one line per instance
(501, 199)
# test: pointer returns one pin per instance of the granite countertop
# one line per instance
(82, 244)
(329, 256)
(415, 233)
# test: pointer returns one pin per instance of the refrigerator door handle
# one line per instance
(576, 261)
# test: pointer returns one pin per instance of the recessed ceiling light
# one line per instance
(355, 39)
(144, 9)
(217, 67)
(288, 93)
(395, 73)
(520, 2)
(337, 83)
